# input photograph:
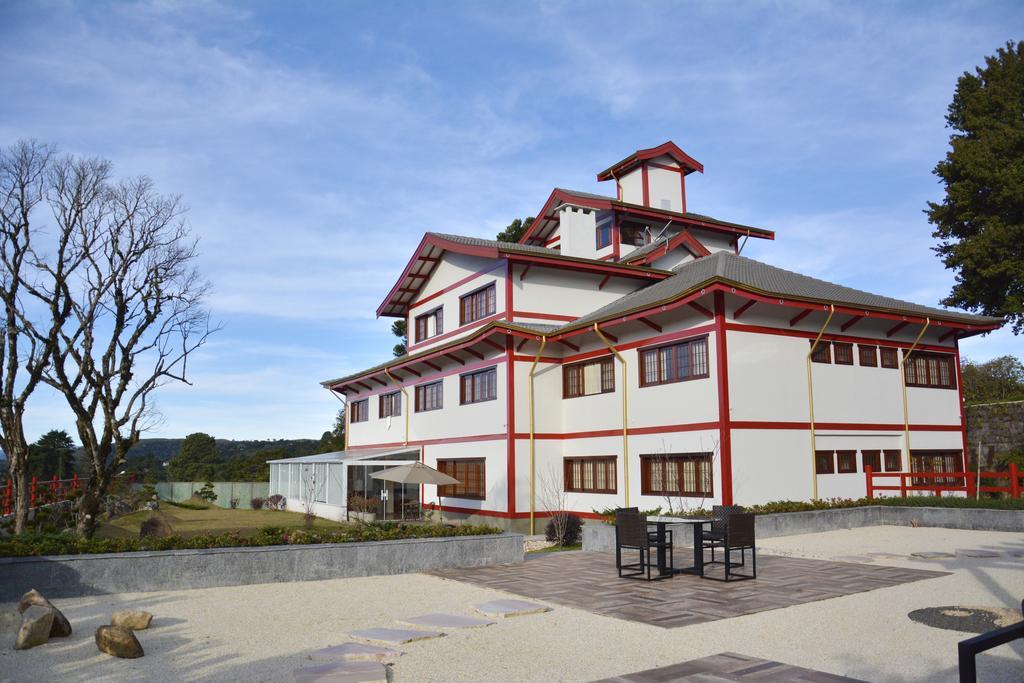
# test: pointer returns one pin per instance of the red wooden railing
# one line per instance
(40, 492)
(963, 482)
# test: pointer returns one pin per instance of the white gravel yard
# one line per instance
(264, 632)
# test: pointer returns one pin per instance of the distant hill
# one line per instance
(165, 449)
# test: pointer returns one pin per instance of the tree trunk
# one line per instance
(88, 511)
(19, 475)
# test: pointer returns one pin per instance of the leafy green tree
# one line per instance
(196, 461)
(53, 453)
(252, 467)
(515, 230)
(980, 223)
(399, 328)
(1000, 379)
(333, 439)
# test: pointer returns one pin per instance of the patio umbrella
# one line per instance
(416, 473)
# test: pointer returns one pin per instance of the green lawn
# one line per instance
(213, 520)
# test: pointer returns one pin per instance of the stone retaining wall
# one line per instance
(601, 537)
(77, 575)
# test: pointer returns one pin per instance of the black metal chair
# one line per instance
(739, 535)
(631, 533)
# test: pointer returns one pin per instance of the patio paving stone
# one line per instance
(729, 666)
(975, 552)
(443, 621)
(343, 672)
(588, 581)
(394, 636)
(356, 652)
(928, 555)
(510, 608)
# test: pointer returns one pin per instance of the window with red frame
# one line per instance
(843, 353)
(674, 363)
(590, 474)
(429, 397)
(676, 474)
(888, 357)
(893, 461)
(390, 404)
(937, 461)
(604, 234)
(359, 411)
(429, 324)
(475, 387)
(584, 379)
(868, 355)
(824, 462)
(822, 352)
(477, 305)
(872, 459)
(470, 473)
(930, 370)
(847, 462)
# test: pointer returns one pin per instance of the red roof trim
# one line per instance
(668, 148)
(684, 238)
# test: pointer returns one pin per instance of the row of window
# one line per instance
(474, 387)
(845, 462)
(667, 474)
(676, 362)
(477, 304)
(925, 369)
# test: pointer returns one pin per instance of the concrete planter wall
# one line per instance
(601, 537)
(77, 575)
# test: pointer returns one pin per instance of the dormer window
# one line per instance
(604, 235)
(429, 324)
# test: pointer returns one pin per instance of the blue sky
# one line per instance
(315, 142)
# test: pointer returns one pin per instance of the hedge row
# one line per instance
(780, 506)
(31, 544)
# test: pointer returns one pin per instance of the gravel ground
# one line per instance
(264, 632)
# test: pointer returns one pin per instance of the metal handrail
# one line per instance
(968, 649)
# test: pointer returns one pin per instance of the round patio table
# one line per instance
(697, 524)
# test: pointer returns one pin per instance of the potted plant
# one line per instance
(362, 508)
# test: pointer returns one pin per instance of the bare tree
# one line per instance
(136, 313)
(677, 504)
(310, 490)
(553, 501)
(29, 333)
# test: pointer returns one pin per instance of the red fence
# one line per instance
(40, 492)
(937, 482)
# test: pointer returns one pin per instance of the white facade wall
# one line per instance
(578, 229)
(664, 188)
(551, 291)
(631, 186)
(451, 269)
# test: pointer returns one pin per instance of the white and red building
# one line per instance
(624, 351)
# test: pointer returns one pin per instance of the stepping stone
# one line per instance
(356, 652)
(394, 636)
(932, 556)
(888, 556)
(976, 552)
(510, 608)
(1017, 553)
(446, 621)
(343, 672)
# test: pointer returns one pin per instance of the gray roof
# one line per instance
(585, 195)
(770, 280)
(496, 244)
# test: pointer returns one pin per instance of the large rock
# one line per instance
(118, 641)
(36, 622)
(61, 626)
(155, 526)
(135, 619)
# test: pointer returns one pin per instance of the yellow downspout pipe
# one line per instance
(810, 400)
(536, 359)
(903, 386)
(625, 410)
(406, 408)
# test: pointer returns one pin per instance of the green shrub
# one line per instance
(187, 505)
(207, 493)
(33, 544)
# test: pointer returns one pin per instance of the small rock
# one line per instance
(134, 619)
(118, 641)
(61, 626)
(36, 622)
(155, 526)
